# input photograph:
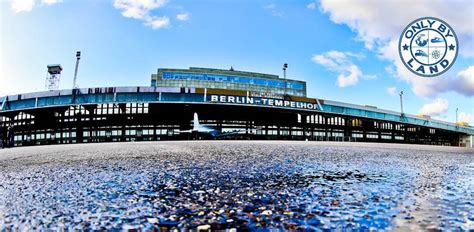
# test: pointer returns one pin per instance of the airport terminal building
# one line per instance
(260, 106)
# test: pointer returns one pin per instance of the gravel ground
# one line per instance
(236, 185)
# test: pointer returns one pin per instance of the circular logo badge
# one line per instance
(428, 46)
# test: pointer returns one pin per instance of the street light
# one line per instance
(78, 57)
(457, 115)
(285, 66)
(401, 102)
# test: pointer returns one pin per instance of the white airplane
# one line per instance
(198, 128)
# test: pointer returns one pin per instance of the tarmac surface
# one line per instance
(237, 185)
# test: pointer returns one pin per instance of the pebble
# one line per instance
(267, 213)
(203, 228)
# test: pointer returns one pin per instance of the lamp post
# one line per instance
(401, 102)
(285, 66)
(457, 115)
(78, 57)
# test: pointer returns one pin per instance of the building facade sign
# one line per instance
(262, 101)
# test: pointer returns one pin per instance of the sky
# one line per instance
(346, 50)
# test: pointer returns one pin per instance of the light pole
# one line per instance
(285, 66)
(78, 56)
(457, 115)
(401, 102)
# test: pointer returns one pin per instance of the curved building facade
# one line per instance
(228, 101)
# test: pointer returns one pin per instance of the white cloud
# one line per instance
(183, 16)
(378, 25)
(351, 79)
(464, 117)
(274, 10)
(370, 77)
(270, 6)
(141, 10)
(22, 5)
(390, 70)
(158, 22)
(50, 2)
(311, 6)
(28, 5)
(342, 64)
(392, 91)
(464, 81)
(435, 108)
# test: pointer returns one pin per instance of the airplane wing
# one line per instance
(185, 131)
(227, 134)
(232, 133)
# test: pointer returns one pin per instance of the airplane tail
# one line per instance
(195, 122)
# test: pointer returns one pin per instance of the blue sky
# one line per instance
(124, 41)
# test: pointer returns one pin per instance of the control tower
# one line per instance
(53, 77)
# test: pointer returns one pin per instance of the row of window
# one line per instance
(375, 136)
(41, 136)
(232, 86)
(319, 119)
(23, 116)
(383, 125)
(212, 78)
(171, 132)
(105, 109)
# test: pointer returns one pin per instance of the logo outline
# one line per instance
(410, 47)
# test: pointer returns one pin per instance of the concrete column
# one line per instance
(347, 128)
(466, 140)
(379, 132)
(393, 131)
(326, 131)
(278, 131)
(303, 120)
(364, 130)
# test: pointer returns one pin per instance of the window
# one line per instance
(356, 122)
(357, 135)
(137, 108)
